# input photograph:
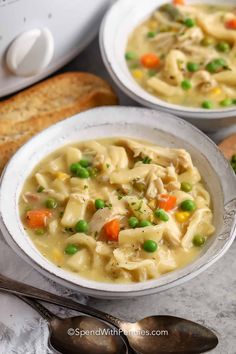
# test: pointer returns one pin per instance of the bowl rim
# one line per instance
(99, 288)
(123, 84)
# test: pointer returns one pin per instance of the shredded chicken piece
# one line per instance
(172, 179)
(204, 81)
(30, 197)
(151, 192)
(191, 36)
(162, 156)
(160, 186)
(164, 40)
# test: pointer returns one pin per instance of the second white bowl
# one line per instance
(123, 17)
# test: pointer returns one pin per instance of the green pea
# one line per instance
(71, 249)
(220, 61)
(186, 187)
(226, 102)
(150, 246)
(216, 65)
(161, 214)
(189, 22)
(84, 163)
(212, 67)
(82, 173)
(192, 67)
(133, 222)
(74, 167)
(81, 226)
(233, 158)
(130, 55)
(186, 85)
(39, 232)
(92, 172)
(99, 204)
(207, 104)
(207, 41)
(40, 189)
(51, 203)
(144, 223)
(151, 34)
(188, 205)
(199, 240)
(223, 47)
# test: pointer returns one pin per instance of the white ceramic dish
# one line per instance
(146, 124)
(120, 21)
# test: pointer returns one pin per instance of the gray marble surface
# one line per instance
(210, 298)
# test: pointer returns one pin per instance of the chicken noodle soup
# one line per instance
(117, 210)
(186, 55)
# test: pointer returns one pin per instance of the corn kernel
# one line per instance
(151, 218)
(152, 204)
(182, 216)
(57, 255)
(62, 176)
(152, 25)
(216, 91)
(138, 74)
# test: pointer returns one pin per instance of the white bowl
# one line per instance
(120, 21)
(157, 127)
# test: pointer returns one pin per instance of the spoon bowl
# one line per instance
(170, 335)
(85, 335)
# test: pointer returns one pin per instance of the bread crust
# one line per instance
(46, 103)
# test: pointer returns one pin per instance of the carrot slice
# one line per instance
(112, 229)
(150, 60)
(166, 201)
(37, 218)
(231, 24)
(178, 2)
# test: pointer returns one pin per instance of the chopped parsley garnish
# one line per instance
(139, 206)
(146, 160)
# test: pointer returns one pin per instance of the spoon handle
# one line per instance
(43, 311)
(19, 288)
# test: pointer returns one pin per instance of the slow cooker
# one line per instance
(39, 37)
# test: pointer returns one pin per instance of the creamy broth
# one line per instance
(117, 210)
(186, 55)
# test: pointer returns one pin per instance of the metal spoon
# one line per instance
(80, 334)
(182, 336)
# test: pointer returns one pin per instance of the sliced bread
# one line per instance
(48, 102)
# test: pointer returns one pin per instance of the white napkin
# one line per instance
(22, 330)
